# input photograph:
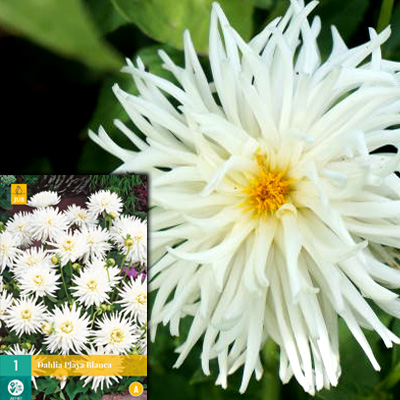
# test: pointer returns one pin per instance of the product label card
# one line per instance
(73, 286)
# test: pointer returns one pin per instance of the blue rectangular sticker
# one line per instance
(15, 377)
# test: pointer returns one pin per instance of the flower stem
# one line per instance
(94, 317)
(272, 384)
(385, 14)
(65, 286)
(122, 280)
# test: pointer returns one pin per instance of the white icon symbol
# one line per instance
(15, 387)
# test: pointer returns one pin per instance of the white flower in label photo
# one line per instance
(113, 272)
(44, 199)
(76, 215)
(29, 258)
(18, 226)
(271, 194)
(25, 316)
(116, 333)
(71, 330)
(39, 280)
(104, 201)
(46, 223)
(130, 235)
(134, 299)
(9, 250)
(68, 245)
(6, 300)
(92, 287)
(96, 241)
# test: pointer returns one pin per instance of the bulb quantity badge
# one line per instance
(15, 377)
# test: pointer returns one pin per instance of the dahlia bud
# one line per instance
(113, 215)
(110, 262)
(26, 346)
(46, 328)
(129, 242)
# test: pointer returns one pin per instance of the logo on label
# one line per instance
(19, 193)
(136, 389)
(15, 387)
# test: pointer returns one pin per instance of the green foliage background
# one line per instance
(60, 59)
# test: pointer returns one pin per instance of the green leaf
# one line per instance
(5, 204)
(347, 18)
(391, 47)
(63, 26)
(106, 17)
(51, 386)
(266, 4)
(166, 20)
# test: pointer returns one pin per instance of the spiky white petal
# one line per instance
(68, 245)
(6, 300)
(29, 258)
(79, 216)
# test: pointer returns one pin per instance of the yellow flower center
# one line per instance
(67, 327)
(142, 298)
(117, 335)
(26, 314)
(68, 245)
(267, 191)
(92, 285)
(38, 280)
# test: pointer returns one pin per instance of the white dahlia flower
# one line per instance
(113, 273)
(44, 199)
(70, 330)
(9, 250)
(6, 300)
(25, 315)
(39, 280)
(29, 258)
(19, 226)
(271, 195)
(104, 201)
(92, 286)
(96, 242)
(79, 216)
(116, 333)
(45, 223)
(130, 235)
(134, 299)
(68, 245)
